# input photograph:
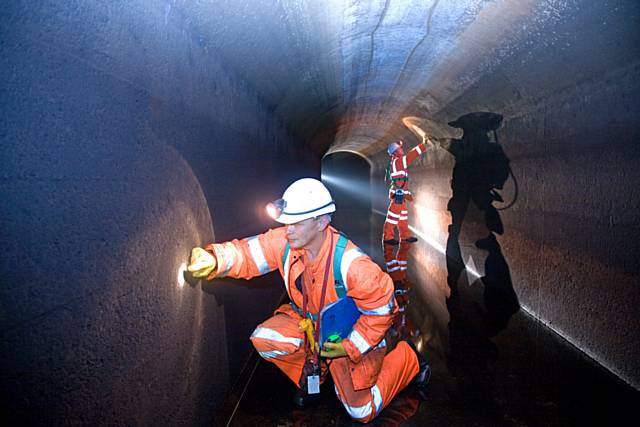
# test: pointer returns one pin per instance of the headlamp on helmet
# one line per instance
(275, 208)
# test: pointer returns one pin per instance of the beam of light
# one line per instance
(411, 123)
(434, 244)
(357, 190)
(181, 271)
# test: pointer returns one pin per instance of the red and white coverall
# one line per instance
(398, 215)
(368, 378)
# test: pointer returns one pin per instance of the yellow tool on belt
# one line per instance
(306, 325)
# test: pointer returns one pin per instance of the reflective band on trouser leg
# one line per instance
(399, 368)
(403, 228)
(280, 341)
(362, 405)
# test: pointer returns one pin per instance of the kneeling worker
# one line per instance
(320, 265)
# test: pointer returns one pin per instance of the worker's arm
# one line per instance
(246, 258)
(417, 151)
(372, 291)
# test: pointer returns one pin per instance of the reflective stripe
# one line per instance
(404, 212)
(380, 311)
(395, 261)
(404, 161)
(403, 268)
(377, 398)
(285, 267)
(347, 258)
(391, 221)
(404, 218)
(258, 255)
(389, 270)
(402, 262)
(271, 335)
(399, 173)
(272, 354)
(227, 250)
(395, 215)
(357, 340)
(382, 344)
(418, 149)
(358, 412)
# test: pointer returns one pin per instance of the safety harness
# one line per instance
(338, 283)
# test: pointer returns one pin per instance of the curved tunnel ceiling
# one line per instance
(343, 73)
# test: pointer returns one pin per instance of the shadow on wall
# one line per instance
(481, 169)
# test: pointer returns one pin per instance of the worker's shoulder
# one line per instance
(275, 237)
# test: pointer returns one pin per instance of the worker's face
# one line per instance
(303, 233)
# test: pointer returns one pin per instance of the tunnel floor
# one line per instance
(526, 375)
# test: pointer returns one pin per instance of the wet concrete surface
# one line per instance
(521, 375)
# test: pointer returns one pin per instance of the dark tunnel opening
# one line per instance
(348, 177)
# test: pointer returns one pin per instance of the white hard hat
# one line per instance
(305, 198)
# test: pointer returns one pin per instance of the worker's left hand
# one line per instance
(333, 349)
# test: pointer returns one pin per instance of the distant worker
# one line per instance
(309, 254)
(397, 176)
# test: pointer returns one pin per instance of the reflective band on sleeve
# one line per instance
(227, 251)
(357, 340)
(347, 259)
(377, 398)
(285, 268)
(258, 255)
(404, 161)
(272, 354)
(380, 311)
(418, 149)
(271, 335)
(358, 412)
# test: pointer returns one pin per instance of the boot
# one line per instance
(421, 380)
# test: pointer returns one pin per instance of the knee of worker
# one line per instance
(362, 412)
(270, 343)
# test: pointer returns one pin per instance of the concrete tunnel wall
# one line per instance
(124, 143)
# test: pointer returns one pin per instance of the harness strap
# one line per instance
(338, 283)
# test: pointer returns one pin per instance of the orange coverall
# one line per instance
(368, 378)
(398, 215)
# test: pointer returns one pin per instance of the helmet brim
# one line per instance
(288, 219)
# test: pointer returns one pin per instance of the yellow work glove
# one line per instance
(333, 349)
(306, 325)
(202, 263)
